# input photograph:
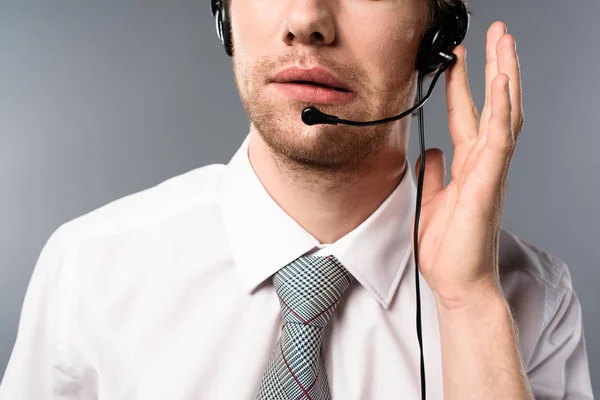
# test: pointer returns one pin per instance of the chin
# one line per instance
(331, 147)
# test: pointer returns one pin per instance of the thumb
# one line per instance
(435, 173)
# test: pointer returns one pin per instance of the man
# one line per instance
(183, 291)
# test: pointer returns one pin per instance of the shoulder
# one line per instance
(192, 190)
(529, 273)
(517, 256)
(548, 319)
(536, 284)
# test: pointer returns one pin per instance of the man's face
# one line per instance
(369, 44)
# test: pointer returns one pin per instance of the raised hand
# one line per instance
(460, 223)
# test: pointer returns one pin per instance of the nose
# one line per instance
(308, 22)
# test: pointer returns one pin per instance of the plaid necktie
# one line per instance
(309, 290)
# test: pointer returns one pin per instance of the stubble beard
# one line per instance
(331, 149)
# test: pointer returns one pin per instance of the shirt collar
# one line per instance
(263, 238)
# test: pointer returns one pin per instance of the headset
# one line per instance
(435, 53)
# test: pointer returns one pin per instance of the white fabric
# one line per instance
(165, 294)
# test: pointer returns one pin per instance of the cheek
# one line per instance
(245, 37)
(391, 67)
(248, 15)
(387, 51)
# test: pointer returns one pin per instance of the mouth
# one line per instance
(310, 83)
(313, 92)
(315, 85)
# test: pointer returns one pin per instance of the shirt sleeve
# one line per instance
(559, 364)
(39, 367)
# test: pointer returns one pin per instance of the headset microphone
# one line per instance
(312, 116)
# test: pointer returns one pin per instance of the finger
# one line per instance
(463, 118)
(492, 165)
(508, 63)
(435, 173)
(494, 33)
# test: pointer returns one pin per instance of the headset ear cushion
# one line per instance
(447, 33)
(226, 30)
(219, 11)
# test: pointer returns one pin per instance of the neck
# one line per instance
(328, 205)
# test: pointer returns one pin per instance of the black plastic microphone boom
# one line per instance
(312, 116)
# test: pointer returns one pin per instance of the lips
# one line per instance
(314, 76)
(315, 86)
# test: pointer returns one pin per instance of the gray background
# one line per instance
(100, 99)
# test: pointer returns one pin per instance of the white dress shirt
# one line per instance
(165, 295)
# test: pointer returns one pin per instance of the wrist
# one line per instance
(480, 351)
(482, 294)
